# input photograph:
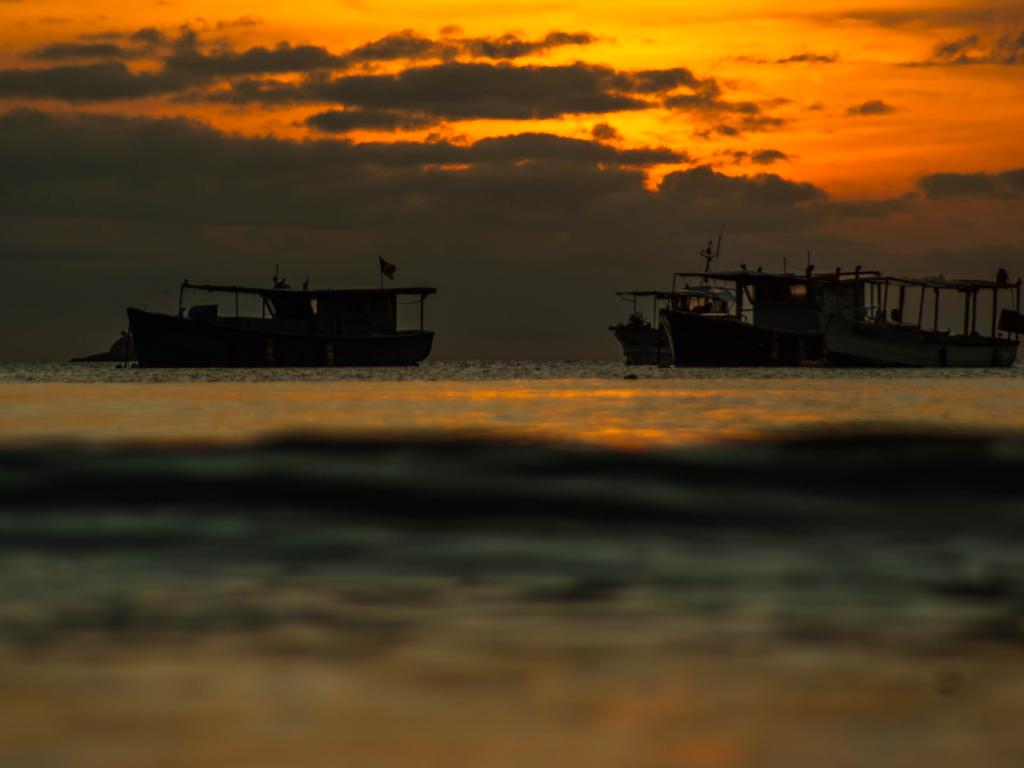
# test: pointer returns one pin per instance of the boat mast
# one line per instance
(709, 255)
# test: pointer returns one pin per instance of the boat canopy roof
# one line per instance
(644, 294)
(943, 283)
(747, 277)
(272, 293)
(705, 291)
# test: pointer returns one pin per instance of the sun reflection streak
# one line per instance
(630, 415)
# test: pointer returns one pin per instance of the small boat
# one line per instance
(872, 330)
(346, 327)
(643, 341)
(646, 342)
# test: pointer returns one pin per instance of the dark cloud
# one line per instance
(724, 129)
(258, 60)
(343, 121)
(190, 68)
(767, 156)
(761, 192)
(758, 157)
(189, 55)
(1005, 185)
(105, 81)
(407, 44)
(556, 149)
(605, 132)
(706, 100)
(870, 109)
(456, 91)
(754, 123)
(413, 97)
(68, 51)
(1009, 49)
(955, 51)
(1006, 50)
(809, 58)
(239, 23)
(699, 102)
(510, 46)
(148, 35)
(94, 162)
(411, 46)
(651, 81)
(922, 17)
(760, 122)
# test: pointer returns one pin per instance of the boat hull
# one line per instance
(166, 341)
(643, 345)
(854, 343)
(716, 340)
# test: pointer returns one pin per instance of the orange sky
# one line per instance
(942, 118)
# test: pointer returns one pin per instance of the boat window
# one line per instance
(798, 290)
(313, 307)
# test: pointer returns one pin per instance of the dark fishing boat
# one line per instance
(350, 327)
(776, 320)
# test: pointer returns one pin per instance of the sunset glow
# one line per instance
(470, 143)
(806, 73)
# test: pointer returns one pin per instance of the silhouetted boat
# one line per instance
(643, 341)
(296, 328)
(872, 331)
(780, 327)
(646, 342)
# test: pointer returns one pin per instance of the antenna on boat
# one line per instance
(708, 255)
(279, 282)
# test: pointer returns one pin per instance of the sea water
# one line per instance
(507, 564)
(580, 402)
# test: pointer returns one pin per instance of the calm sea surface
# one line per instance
(496, 565)
(565, 402)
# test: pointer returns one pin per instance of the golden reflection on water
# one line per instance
(627, 414)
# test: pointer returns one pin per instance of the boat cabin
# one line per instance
(347, 312)
(785, 300)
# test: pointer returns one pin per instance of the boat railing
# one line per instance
(877, 309)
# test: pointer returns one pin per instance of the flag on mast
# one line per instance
(387, 268)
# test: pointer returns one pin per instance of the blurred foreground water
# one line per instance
(495, 567)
